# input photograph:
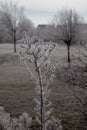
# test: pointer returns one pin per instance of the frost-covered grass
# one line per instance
(6, 48)
(17, 91)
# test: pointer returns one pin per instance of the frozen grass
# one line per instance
(17, 89)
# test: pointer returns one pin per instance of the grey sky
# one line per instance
(42, 11)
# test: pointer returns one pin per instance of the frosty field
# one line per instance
(17, 88)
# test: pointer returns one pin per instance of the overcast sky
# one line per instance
(42, 11)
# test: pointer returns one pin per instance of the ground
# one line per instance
(17, 88)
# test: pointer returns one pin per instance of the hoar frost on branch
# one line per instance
(36, 58)
(7, 123)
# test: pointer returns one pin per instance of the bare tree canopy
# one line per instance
(26, 25)
(67, 23)
(11, 15)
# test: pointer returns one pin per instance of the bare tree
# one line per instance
(10, 17)
(26, 25)
(67, 23)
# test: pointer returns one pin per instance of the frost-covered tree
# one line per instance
(68, 24)
(25, 25)
(36, 58)
(8, 123)
(11, 15)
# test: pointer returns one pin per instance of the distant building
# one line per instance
(46, 32)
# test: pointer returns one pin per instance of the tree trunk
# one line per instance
(14, 38)
(69, 60)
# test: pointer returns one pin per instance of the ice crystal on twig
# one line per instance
(36, 58)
